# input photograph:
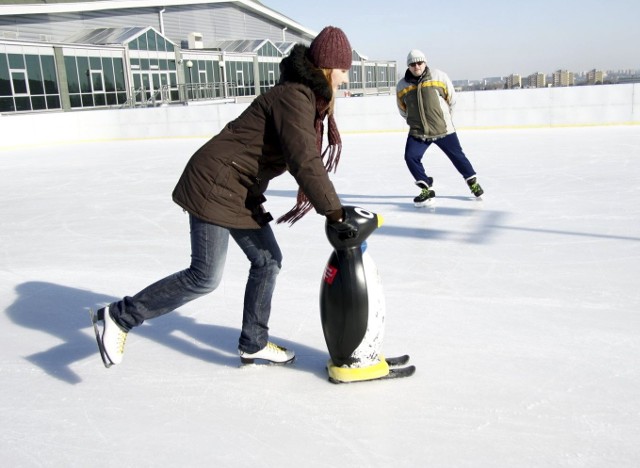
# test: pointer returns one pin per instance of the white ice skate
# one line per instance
(111, 340)
(272, 353)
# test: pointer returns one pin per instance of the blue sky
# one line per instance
(472, 40)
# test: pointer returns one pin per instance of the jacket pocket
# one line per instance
(246, 177)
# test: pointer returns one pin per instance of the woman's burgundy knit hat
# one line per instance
(331, 49)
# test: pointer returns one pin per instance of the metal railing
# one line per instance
(182, 93)
(143, 97)
(207, 91)
(185, 93)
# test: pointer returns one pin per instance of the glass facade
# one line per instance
(269, 75)
(94, 80)
(366, 77)
(144, 68)
(28, 79)
(268, 66)
(240, 77)
(153, 68)
(203, 77)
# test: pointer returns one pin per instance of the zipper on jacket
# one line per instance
(421, 109)
(243, 170)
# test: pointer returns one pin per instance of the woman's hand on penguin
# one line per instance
(345, 226)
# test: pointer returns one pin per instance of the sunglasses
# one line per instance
(416, 64)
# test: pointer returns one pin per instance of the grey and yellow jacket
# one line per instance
(225, 180)
(426, 103)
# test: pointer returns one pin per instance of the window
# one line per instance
(95, 81)
(28, 81)
(269, 75)
(241, 75)
(355, 79)
(19, 82)
(154, 69)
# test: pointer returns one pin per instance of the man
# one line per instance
(425, 100)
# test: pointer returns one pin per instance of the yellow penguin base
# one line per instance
(357, 374)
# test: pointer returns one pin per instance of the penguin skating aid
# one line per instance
(352, 307)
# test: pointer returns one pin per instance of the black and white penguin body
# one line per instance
(352, 306)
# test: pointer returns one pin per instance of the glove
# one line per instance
(346, 227)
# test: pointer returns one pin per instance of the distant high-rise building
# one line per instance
(537, 80)
(514, 81)
(595, 77)
(563, 78)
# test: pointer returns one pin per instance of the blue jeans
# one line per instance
(209, 244)
(415, 148)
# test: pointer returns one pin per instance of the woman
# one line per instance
(222, 189)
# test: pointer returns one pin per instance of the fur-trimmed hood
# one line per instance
(298, 68)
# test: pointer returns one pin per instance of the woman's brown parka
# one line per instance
(225, 180)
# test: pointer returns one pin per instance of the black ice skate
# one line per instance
(426, 193)
(474, 186)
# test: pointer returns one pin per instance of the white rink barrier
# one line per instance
(524, 108)
(513, 108)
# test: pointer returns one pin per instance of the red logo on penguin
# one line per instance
(330, 273)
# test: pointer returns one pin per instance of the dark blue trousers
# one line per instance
(415, 148)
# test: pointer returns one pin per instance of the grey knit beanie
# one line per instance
(415, 56)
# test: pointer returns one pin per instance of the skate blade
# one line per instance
(265, 362)
(95, 318)
(424, 204)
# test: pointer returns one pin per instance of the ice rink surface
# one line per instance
(521, 313)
